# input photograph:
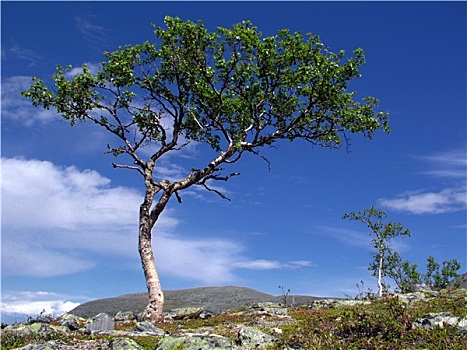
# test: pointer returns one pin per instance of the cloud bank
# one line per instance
(33, 303)
(63, 220)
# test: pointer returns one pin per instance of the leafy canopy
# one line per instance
(232, 89)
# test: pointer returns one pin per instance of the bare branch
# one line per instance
(126, 166)
(218, 178)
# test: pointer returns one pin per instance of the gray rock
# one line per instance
(70, 321)
(270, 307)
(125, 316)
(409, 298)
(462, 325)
(124, 344)
(23, 330)
(207, 342)
(253, 338)
(148, 327)
(439, 319)
(50, 345)
(460, 282)
(185, 313)
(101, 322)
(419, 287)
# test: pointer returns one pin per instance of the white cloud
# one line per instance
(16, 52)
(449, 164)
(262, 264)
(18, 108)
(422, 202)
(62, 220)
(33, 303)
(451, 167)
(95, 35)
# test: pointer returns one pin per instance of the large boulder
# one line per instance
(101, 322)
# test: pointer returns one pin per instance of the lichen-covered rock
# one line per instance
(185, 313)
(70, 321)
(125, 316)
(101, 322)
(254, 338)
(273, 308)
(148, 327)
(124, 344)
(440, 319)
(409, 298)
(207, 342)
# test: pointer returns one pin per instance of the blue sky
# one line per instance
(69, 220)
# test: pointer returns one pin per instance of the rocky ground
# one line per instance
(421, 317)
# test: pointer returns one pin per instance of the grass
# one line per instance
(382, 324)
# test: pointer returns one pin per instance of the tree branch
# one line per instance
(126, 166)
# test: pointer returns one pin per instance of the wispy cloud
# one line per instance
(16, 107)
(96, 36)
(423, 202)
(15, 51)
(262, 264)
(76, 217)
(449, 164)
(359, 238)
(451, 167)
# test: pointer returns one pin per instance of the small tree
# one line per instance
(403, 273)
(232, 89)
(439, 280)
(383, 233)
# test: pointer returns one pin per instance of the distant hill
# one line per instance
(215, 299)
(459, 282)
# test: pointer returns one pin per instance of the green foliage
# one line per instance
(440, 280)
(403, 273)
(384, 324)
(227, 88)
(383, 233)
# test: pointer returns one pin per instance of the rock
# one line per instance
(462, 324)
(124, 344)
(272, 308)
(440, 319)
(409, 298)
(70, 321)
(253, 338)
(185, 313)
(50, 345)
(23, 330)
(419, 287)
(125, 316)
(148, 327)
(194, 342)
(101, 322)
(460, 282)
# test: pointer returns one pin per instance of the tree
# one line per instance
(439, 280)
(403, 273)
(383, 233)
(231, 89)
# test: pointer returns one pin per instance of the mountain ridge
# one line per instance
(214, 299)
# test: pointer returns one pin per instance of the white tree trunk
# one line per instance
(153, 311)
(380, 271)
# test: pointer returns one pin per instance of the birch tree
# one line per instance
(382, 234)
(232, 89)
